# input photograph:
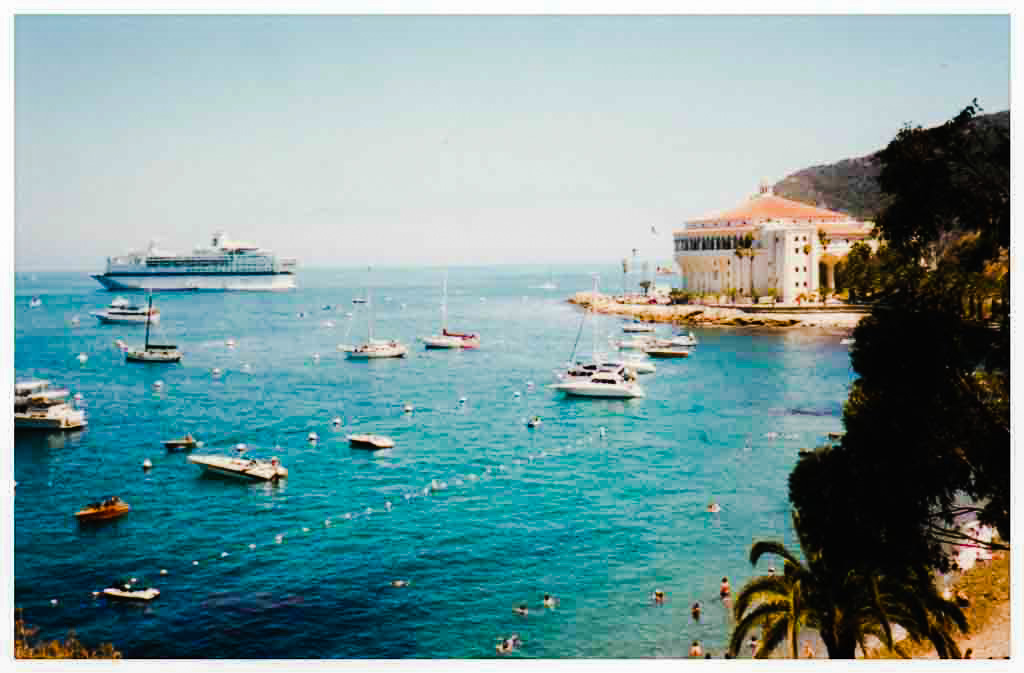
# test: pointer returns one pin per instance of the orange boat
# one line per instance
(110, 508)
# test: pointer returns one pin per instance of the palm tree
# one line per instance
(844, 606)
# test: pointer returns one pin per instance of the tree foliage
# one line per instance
(927, 420)
(72, 648)
(844, 606)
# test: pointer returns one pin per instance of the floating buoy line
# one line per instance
(437, 487)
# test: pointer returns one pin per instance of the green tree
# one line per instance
(844, 606)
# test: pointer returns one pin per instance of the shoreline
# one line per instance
(696, 315)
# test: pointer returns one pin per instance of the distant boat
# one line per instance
(35, 302)
(449, 339)
(637, 326)
(37, 407)
(186, 443)
(667, 352)
(375, 348)
(123, 312)
(131, 594)
(156, 353)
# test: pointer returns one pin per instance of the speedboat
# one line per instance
(614, 382)
(158, 353)
(186, 443)
(123, 312)
(241, 468)
(636, 343)
(109, 508)
(370, 441)
(37, 407)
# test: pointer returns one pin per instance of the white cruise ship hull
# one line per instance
(262, 282)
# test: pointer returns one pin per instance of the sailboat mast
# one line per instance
(593, 307)
(444, 305)
(149, 316)
(369, 300)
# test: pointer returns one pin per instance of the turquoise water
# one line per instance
(598, 522)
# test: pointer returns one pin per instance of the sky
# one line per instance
(453, 140)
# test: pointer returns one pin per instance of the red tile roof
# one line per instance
(771, 207)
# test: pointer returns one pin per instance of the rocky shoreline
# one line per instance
(696, 315)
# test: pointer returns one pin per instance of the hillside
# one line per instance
(851, 185)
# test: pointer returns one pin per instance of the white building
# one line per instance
(794, 250)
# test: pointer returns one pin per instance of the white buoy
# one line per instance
(601, 431)
(305, 530)
(408, 496)
(328, 323)
(327, 522)
(529, 384)
(216, 371)
(458, 482)
(53, 601)
(312, 437)
(387, 505)
(336, 420)
(316, 357)
(348, 515)
(230, 343)
(223, 554)
(240, 447)
(147, 464)
(426, 490)
(195, 563)
(75, 321)
(369, 510)
(95, 594)
(251, 547)
(407, 408)
(348, 314)
(278, 539)
(472, 477)
(82, 357)
(157, 385)
(133, 580)
(462, 400)
(246, 367)
(78, 397)
(163, 571)
(516, 394)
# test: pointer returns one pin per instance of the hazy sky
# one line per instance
(445, 140)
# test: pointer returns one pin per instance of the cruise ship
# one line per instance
(225, 265)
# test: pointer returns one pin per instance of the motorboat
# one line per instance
(108, 508)
(612, 382)
(186, 443)
(129, 594)
(636, 343)
(688, 340)
(659, 351)
(157, 353)
(375, 348)
(123, 312)
(358, 300)
(373, 442)
(590, 368)
(249, 469)
(37, 407)
(449, 339)
(637, 326)
(534, 422)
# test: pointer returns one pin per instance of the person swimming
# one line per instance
(658, 596)
(695, 649)
(695, 611)
(509, 644)
(549, 601)
(714, 508)
(522, 610)
(724, 590)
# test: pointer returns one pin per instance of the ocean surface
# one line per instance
(304, 569)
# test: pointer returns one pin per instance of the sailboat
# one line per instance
(152, 352)
(375, 348)
(614, 379)
(449, 339)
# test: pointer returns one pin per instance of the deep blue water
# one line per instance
(598, 522)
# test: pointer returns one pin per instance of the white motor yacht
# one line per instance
(614, 382)
(36, 407)
(123, 312)
(688, 340)
(637, 326)
(636, 343)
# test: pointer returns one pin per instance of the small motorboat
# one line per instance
(358, 300)
(372, 442)
(684, 340)
(241, 468)
(123, 312)
(129, 594)
(35, 302)
(637, 326)
(534, 422)
(108, 508)
(186, 443)
(636, 343)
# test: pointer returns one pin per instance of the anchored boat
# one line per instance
(36, 407)
(153, 352)
(123, 312)
(373, 442)
(248, 469)
(109, 508)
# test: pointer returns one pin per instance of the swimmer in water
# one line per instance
(695, 611)
(695, 649)
(724, 590)
(754, 646)
(713, 508)
(522, 610)
(771, 571)
(549, 601)
(658, 596)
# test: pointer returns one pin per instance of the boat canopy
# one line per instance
(23, 388)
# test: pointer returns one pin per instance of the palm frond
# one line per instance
(760, 614)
